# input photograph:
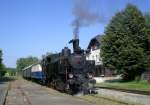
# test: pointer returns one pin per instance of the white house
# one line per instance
(94, 50)
(93, 53)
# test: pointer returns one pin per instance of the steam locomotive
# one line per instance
(64, 71)
(69, 72)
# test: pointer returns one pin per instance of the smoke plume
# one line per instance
(84, 15)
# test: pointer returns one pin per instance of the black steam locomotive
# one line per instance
(69, 72)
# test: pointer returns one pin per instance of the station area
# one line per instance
(75, 52)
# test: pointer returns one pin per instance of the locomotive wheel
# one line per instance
(59, 85)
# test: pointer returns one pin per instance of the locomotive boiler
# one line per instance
(69, 72)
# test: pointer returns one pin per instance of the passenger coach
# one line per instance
(33, 72)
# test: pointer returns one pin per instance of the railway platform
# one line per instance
(24, 92)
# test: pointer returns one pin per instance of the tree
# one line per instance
(125, 46)
(24, 62)
(2, 66)
(1, 59)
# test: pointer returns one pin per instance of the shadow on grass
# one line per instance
(6, 79)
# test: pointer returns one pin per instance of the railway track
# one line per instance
(98, 100)
(126, 90)
(119, 102)
(26, 98)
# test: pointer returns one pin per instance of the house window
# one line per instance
(97, 57)
(92, 57)
(94, 47)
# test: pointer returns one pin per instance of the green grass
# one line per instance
(134, 85)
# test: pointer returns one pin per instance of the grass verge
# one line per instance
(133, 85)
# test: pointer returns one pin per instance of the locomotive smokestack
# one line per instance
(76, 48)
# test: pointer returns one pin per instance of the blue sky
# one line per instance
(34, 27)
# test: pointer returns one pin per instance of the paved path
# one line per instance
(23, 92)
(3, 91)
(125, 97)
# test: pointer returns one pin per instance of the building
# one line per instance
(93, 53)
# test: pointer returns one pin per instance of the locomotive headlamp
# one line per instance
(90, 75)
(70, 75)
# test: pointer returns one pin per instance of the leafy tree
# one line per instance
(2, 66)
(125, 46)
(24, 62)
(1, 59)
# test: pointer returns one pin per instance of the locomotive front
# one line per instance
(81, 73)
